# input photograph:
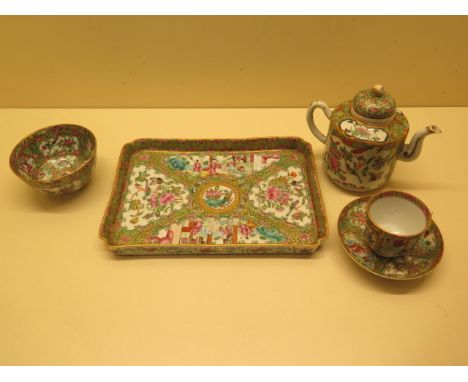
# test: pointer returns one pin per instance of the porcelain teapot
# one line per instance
(365, 139)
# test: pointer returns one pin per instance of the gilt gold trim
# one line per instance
(247, 144)
(201, 192)
(342, 216)
(41, 184)
(424, 209)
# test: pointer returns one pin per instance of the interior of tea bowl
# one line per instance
(55, 160)
(399, 213)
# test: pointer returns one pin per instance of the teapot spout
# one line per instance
(412, 150)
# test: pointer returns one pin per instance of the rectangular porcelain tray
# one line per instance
(220, 196)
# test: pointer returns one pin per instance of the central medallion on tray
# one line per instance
(218, 197)
(203, 201)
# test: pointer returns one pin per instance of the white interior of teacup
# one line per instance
(398, 215)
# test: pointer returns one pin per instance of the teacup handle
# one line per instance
(310, 118)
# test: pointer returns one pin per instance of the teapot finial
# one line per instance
(379, 90)
(374, 105)
(365, 137)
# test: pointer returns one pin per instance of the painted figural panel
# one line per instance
(365, 138)
(200, 200)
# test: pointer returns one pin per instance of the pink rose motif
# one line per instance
(245, 229)
(213, 194)
(28, 168)
(334, 163)
(361, 163)
(283, 198)
(273, 193)
(166, 198)
(360, 216)
(357, 249)
(362, 130)
(298, 215)
(153, 200)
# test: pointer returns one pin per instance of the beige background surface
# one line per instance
(230, 61)
(65, 299)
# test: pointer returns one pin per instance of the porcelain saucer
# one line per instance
(425, 256)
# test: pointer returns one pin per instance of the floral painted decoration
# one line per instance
(217, 196)
(353, 128)
(366, 137)
(150, 196)
(55, 160)
(389, 245)
(419, 262)
(358, 157)
(374, 103)
(283, 196)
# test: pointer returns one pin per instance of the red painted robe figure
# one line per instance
(197, 166)
(214, 165)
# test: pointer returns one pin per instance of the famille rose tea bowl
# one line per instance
(415, 263)
(395, 222)
(55, 160)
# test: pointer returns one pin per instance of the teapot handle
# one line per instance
(310, 118)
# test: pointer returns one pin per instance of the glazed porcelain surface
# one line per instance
(55, 160)
(426, 254)
(398, 215)
(215, 196)
(395, 222)
(365, 139)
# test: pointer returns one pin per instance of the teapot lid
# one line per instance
(374, 103)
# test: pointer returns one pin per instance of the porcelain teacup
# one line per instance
(395, 222)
